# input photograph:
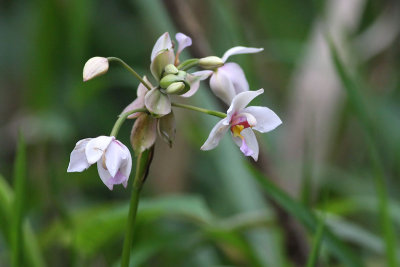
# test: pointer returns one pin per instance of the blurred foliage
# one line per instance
(203, 208)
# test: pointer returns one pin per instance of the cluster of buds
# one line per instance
(152, 108)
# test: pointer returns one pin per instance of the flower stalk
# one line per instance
(203, 110)
(122, 118)
(142, 166)
(126, 66)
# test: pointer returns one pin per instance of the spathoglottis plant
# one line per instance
(152, 111)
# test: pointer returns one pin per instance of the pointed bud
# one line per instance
(211, 62)
(169, 79)
(157, 102)
(171, 69)
(94, 67)
(175, 88)
(143, 133)
(166, 128)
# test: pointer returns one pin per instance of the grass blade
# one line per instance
(312, 260)
(360, 110)
(18, 204)
(307, 218)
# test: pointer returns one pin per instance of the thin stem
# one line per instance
(142, 166)
(203, 110)
(187, 64)
(122, 118)
(126, 66)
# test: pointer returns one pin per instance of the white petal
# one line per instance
(161, 59)
(139, 101)
(78, 161)
(96, 147)
(142, 90)
(241, 100)
(194, 80)
(215, 135)
(222, 86)
(236, 75)
(163, 42)
(251, 142)
(105, 176)
(114, 157)
(126, 165)
(240, 50)
(267, 120)
(183, 41)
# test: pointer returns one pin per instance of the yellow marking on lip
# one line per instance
(236, 130)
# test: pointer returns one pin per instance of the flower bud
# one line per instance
(169, 79)
(166, 128)
(211, 62)
(175, 88)
(94, 67)
(171, 69)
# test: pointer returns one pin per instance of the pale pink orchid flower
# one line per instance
(241, 121)
(229, 80)
(114, 161)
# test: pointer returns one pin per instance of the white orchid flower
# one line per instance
(241, 120)
(229, 80)
(114, 161)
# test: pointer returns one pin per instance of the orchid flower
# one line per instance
(229, 80)
(241, 120)
(113, 159)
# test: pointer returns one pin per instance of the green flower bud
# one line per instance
(175, 88)
(171, 69)
(211, 62)
(167, 80)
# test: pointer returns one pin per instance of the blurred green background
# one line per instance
(325, 189)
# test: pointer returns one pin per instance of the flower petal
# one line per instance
(114, 157)
(250, 145)
(78, 161)
(241, 100)
(105, 176)
(162, 43)
(166, 128)
(139, 101)
(240, 50)
(162, 59)
(267, 120)
(126, 165)
(236, 75)
(144, 133)
(157, 102)
(183, 41)
(222, 86)
(194, 81)
(96, 147)
(215, 135)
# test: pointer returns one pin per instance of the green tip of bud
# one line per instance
(171, 69)
(175, 88)
(211, 62)
(168, 79)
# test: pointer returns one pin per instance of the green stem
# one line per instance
(142, 165)
(187, 64)
(126, 66)
(203, 110)
(122, 118)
